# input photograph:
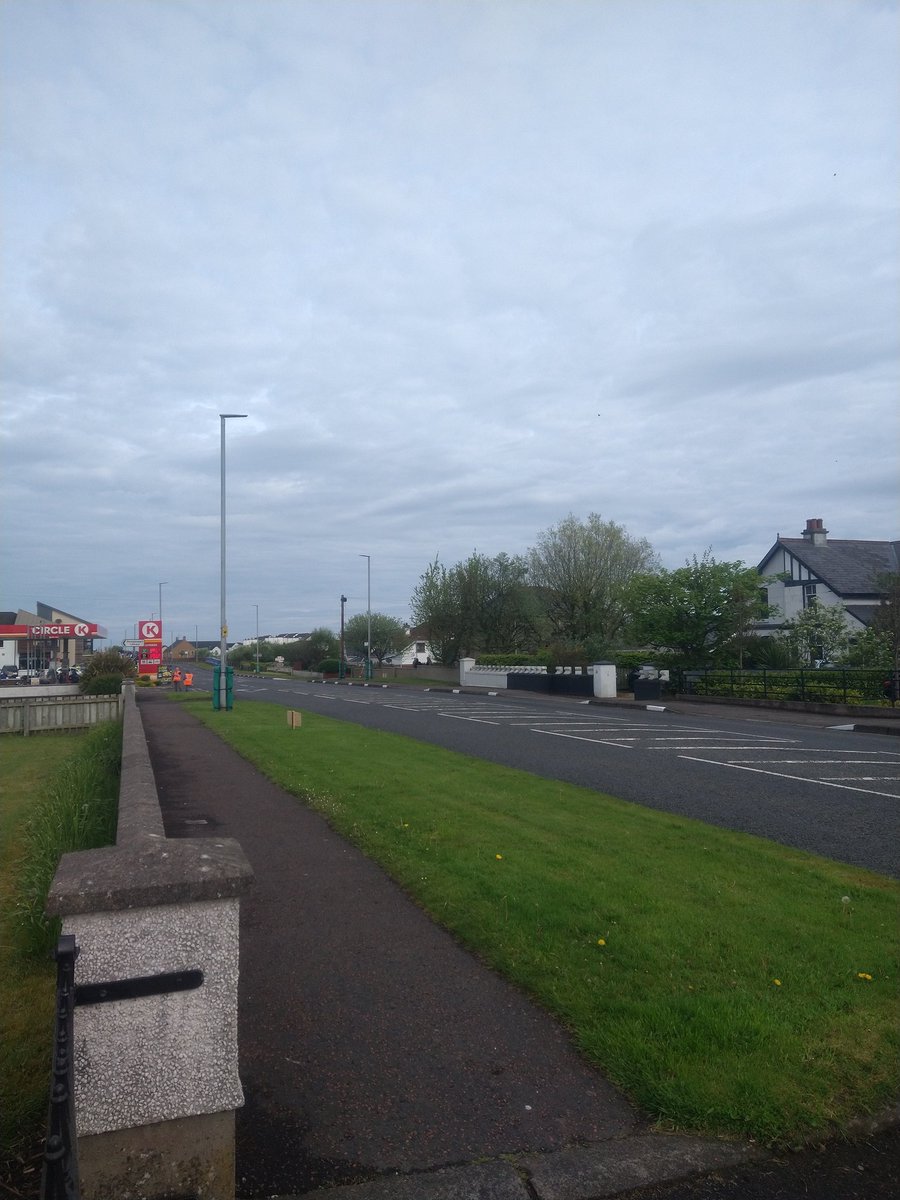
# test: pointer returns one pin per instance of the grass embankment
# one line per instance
(727, 983)
(49, 789)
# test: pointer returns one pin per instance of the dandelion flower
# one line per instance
(863, 975)
(601, 941)
(498, 856)
(777, 982)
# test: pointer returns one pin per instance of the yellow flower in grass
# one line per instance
(863, 975)
(777, 982)
(601, 941)
(498, 856)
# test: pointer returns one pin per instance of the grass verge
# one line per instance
(726, 983)
(49, 785)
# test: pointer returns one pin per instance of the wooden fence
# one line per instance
(36, 714)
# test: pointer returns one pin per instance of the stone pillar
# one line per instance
(604, 680)
(156, 1077)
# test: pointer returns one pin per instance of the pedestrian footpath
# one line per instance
(379, 1059)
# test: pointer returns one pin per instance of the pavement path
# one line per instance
(380, 1060)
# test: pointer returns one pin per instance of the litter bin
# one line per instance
(229, 687)
(647, 689)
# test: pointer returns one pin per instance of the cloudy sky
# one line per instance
(467, 265)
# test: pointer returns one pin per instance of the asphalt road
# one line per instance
(826, 790)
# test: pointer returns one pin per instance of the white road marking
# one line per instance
(784, 775)
(577, 738)
(813, 762)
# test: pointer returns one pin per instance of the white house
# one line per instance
(418, 650)
(814, 569)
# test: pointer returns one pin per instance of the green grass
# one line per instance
(657, 940)
(45, 783)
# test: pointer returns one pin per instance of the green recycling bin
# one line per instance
(229, 687)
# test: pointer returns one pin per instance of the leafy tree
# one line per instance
(581, 570)
(387, 634)
(819, 634)
(320, 644)
(700, 610)
(869, 649)
(434, 604)
(480, 604)
(886, 620)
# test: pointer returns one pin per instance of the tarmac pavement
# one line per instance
(382, 1061)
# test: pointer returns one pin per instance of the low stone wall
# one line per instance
(156, 1076)
(602, 675)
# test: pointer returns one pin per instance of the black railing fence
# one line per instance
(59, 1180)
(823, 685)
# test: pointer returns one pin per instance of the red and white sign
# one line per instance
(80, 629)
(150, 631)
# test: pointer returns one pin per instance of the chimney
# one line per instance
(815, 532)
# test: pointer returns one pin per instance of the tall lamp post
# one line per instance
(368, 558)
(341, 662)
(162, 635)
(256, 606)
(223, 644)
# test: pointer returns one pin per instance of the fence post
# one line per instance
(59, 1178)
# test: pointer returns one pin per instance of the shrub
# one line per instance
(102, 685)
(109, 662)
(510, 659)
(329, 666)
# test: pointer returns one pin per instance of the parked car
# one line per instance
(10, 673)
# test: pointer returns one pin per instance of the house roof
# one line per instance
(848, 567)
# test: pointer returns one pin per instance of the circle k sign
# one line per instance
(149, 631)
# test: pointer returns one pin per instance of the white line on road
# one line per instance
(813, 762)
(784, 775)
(460, 717)
(577, 738)
(721, 746)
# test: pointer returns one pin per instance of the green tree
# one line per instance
(819, 634)
(479, 604)
(886, 619)
(320, 644)
(699, 611)
(434, 605)
(387, 634)
(581, 570)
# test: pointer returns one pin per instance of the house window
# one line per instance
(420, 647)
(809, 595)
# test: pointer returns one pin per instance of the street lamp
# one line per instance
(223, 645)
(341, 663)
(256, 606)
(162, 636)
(368, 558)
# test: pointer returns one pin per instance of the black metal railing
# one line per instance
(832, 685)
(59, 1180)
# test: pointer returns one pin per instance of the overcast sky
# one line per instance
(467, 265)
